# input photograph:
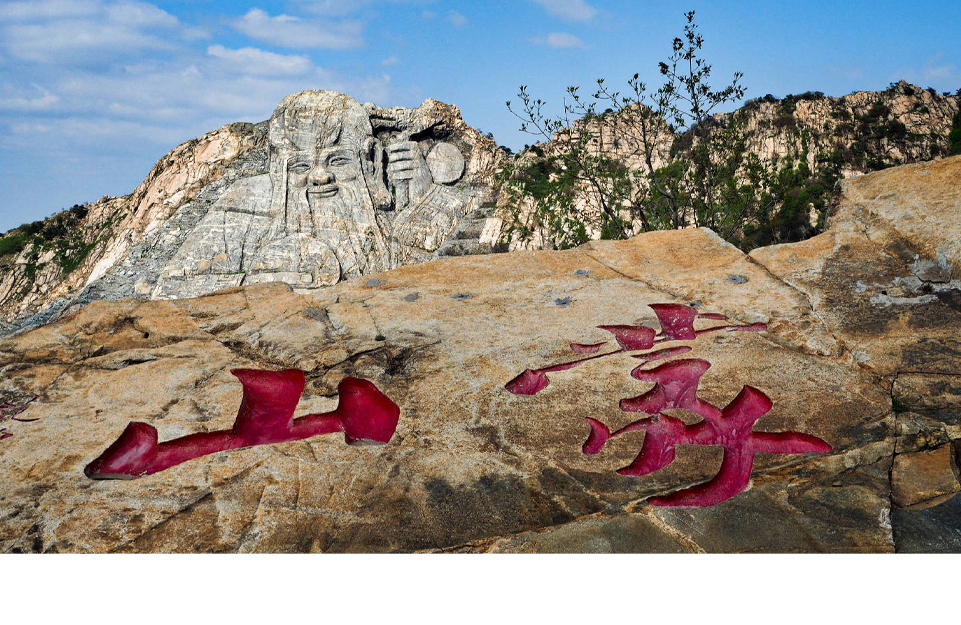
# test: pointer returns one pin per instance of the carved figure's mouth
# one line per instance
(327, 190)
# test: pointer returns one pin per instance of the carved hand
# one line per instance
(407, 172)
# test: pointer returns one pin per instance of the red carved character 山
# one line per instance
(363, 414)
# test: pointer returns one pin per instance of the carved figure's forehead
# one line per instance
(303, 132)
(316, 120)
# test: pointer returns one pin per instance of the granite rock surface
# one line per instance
(861, 350)
(324, 190)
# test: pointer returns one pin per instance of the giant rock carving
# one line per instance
(364, 414)
(675, 386)
(351, 189)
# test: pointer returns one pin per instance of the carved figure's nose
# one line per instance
(319, 175)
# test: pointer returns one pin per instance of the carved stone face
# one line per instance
(324, 174)
(326, 185)
(322, 154)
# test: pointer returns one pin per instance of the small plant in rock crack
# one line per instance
(898, 405)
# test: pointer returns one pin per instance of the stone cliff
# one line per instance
(249, 203)
(325, 190)
(831, 138)
(863, 131)
(539, 413)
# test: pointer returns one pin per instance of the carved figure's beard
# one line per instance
(342, 215)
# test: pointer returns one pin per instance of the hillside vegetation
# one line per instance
(617, 163)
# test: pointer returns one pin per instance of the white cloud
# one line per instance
(456, 19)
(48, 9)
(140, 14)
(40, 100)
(340, 8)
(100, 89)
(193, 33)
(98, 131)
(259, 62)
(334, 8)
(560, 40)
(294, 32)
(393, 60)
(201, 95)
(571, 10)
(63, 32)
(30, 128)
(935, 72)
(63, 41)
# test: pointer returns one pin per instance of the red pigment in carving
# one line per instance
(675, 386)
(632, 338)
(660, 354)
(10, 411)
(751, 327)
(717, 316)
(532, 381)
(677, 320)
(677, 323)
(586, 348)
(732, 428)
(363, 413)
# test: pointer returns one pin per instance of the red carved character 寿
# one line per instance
(675, 386)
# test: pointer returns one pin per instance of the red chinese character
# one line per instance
(363, 414)
(675, 386)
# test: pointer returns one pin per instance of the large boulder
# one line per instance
(854, 343)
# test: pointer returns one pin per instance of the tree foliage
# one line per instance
(618, 163)
(954, 138)
(613, 151)
(63, 232)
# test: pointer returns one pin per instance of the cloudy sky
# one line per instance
(93, 92)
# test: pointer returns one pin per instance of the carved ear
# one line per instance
(373, 167)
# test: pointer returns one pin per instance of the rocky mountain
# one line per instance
(249, 203)
(325, 190)
(667, 393)
(803, 144)
(862, 132)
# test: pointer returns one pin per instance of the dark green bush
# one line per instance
(785, 122)
(13, 244)
(954, 137)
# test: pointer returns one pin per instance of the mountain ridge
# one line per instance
(99, 251)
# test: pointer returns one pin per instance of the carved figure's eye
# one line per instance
(299, 168)
(339, 161)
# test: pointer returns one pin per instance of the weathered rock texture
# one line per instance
(326, 189)
(862, 350)
(870, 129)
(39, 278)
(833, 136)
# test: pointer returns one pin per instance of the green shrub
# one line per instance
(13, 244)
(72, 258)
(785, 122)
(954, 138)
(32, 228)
(894, 130)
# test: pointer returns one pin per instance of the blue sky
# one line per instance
(93, 92)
